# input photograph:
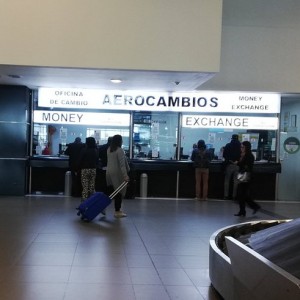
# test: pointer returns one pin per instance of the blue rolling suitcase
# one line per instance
(96, 203)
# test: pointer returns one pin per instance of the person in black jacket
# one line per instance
(231, 155)
(88, 162)
(73, 151)
(245, 164)
(103, 153)
(103, 163)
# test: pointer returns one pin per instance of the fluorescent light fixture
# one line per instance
(116, 80)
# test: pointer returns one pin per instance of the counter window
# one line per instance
(154, 135)
(56, 129)
(263, 141)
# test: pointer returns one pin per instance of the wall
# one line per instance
(114, 34)
(15, 134)
(260, 52)
(260, 47)
(288, 180)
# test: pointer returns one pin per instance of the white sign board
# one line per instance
(232, 122)
(199, 102)
(80, 118)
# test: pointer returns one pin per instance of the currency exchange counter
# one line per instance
(166, 178)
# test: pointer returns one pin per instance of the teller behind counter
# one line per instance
(142, 151)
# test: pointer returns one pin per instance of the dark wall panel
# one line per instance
(13, 177)
(13, 140)
(14, 103)
(15, 112)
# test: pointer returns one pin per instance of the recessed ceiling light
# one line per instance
(116, 80)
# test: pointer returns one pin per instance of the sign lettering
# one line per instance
(200, 102)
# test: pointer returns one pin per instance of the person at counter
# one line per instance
(103, 153)
(103, 164)
(73, 151)
(244, 196)
(191, 152)
(88, 161)
(201, 158)
(46, 150)
(231, 155)
(117, 171)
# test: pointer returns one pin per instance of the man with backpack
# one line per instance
(201, 158)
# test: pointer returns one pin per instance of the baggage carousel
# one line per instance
(256, 260)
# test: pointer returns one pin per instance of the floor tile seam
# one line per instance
(273, 214)
(152, 262)
(73, 260)
(181, 268)
(215, 200)
(22, 253)
(185, 271)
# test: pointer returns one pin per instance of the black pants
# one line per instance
(244, 197)
(118, 198)
(76, 183)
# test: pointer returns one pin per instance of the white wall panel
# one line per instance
(259, 59)
(171, 35)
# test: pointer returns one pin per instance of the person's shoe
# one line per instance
(120, 214)
(227, 198)
(240, 214)
(197, 198)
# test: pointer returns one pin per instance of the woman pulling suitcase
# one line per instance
(117, 172)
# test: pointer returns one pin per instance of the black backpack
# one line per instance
(202, 159)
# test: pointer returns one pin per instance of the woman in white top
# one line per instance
(117, 171)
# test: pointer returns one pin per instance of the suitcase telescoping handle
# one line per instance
(118, 189)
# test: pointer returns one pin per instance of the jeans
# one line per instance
(201, 176)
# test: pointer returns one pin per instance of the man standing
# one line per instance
(231, 155)
(103, 153)
(103, 161)
(73, 151)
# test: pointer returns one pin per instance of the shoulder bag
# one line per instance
(243, 176)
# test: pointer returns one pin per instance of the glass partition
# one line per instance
(154, 135)
(263, 141)
(57, 132)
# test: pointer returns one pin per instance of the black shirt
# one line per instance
(73, 151)
(88, 158)
(232, 151)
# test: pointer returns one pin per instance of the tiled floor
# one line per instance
(160, 251)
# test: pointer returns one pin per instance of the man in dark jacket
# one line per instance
(231, 155)
(73, 151)
(103, 153)
(103, 161)
(88, 163)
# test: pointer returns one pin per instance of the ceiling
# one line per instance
(235, 12)
(34, 77)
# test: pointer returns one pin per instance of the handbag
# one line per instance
(243, 176)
